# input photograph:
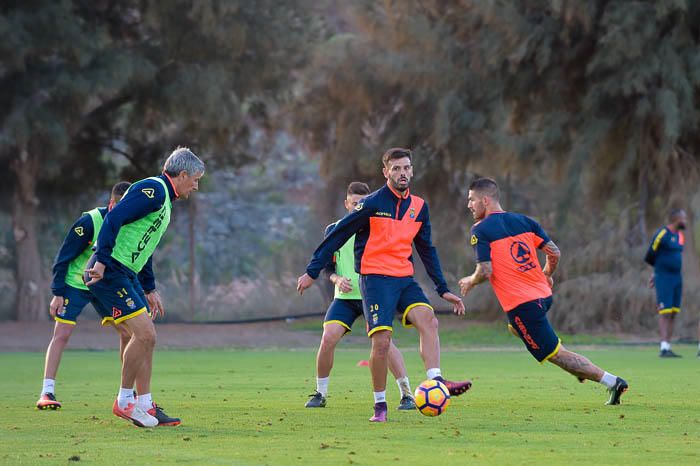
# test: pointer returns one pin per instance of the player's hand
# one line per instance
(96, 273)
(651, 281)
(155, 304)
(304, 282)
(465, 285)
(344, 284)
(457, 304)
(55, 305)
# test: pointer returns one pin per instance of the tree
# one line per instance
(84, 81)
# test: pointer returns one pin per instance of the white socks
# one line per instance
(126, 396)
(404, 386)
(322, 385)
(144, 402)
(380, 397)
(48, 386)
(433, 372)
(665, 346)
(608, 380)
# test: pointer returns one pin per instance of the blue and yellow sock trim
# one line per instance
(64, 321)
(339, 322)
(670, 310)
(553, 353)
(377, 329)
(404, 317)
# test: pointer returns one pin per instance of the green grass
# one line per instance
(246, 407)
(456, 332)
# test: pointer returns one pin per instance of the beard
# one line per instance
(681, 226)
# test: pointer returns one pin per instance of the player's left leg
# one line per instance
(142, 382)
(398, 369)
(332, 333)
(583, 368)
(418, 312)
(61, 334)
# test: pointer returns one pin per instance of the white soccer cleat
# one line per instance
(134, 414)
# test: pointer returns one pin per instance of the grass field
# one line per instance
(246, 407)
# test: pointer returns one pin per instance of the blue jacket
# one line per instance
(132, 207)
(386, 224)
(74, 245)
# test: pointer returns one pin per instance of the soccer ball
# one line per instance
(432, 398)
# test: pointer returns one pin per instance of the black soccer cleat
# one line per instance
(163, 419)
(667, 353)
(317, 400)
(616, 391)
(407, 403)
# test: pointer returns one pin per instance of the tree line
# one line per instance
(585, 112)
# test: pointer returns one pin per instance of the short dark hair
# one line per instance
(358, 187)
(674, 213)
(395, 153)
(486, 186)
(120, 188)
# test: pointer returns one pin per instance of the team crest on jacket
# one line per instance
(412, 213)
(78, 231)
(149, 192)
(359, 206)
(474, 240)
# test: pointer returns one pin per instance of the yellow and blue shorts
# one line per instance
(343, 312)
(383, 296)
(120, 295)
(74, 301)
(669, 290)
(529, 320)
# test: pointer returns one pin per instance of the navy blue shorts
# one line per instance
(669, 290)
(343, 312)
(529, 320)
(74, 301)
(120, 295)
(384, 296)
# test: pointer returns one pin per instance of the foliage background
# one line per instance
(585, 112)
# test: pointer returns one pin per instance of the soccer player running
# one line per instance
(665, 254)
(505, 245)
(129, 235)
(386, 225)
(70, 295)
(345, 309)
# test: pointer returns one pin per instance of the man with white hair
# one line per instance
(129, 235)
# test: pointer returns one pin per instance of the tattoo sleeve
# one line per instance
(482, 273)
(553, 254)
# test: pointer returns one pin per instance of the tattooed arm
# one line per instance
(553, 254)
(481, 274)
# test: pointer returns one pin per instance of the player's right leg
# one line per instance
(666, 285)
(124, 305)
(378, 364)
(530, 321)
(380, 299)
(73, 303)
